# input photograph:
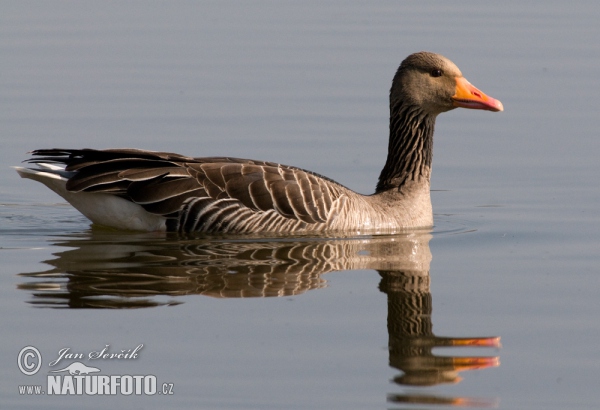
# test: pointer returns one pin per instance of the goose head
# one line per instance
(435, 85)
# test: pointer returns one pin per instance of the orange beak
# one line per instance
(477, 342)
(461, 364)
(467, 96)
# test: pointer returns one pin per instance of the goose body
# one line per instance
(157, 191)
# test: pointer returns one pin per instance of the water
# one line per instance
(345, 323)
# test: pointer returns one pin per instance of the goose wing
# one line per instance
(200, 193)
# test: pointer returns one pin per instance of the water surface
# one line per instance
(371, 322)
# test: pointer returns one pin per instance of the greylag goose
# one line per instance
(156, 191)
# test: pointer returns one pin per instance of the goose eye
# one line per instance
(436, 73)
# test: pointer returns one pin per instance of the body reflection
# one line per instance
(107, 270)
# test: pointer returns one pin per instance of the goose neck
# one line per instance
(410, 148)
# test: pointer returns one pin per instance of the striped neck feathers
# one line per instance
(410, 149)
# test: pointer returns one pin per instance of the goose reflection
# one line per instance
(105, 270)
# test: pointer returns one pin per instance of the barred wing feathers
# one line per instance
(204, 194)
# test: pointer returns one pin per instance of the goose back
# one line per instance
(205, 194)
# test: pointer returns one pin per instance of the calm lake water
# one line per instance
(408, 321)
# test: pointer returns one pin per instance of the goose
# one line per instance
(132, 189)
